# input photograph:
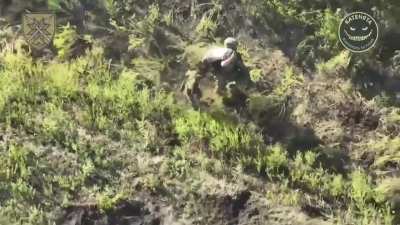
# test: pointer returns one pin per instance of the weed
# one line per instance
(361, 189)
(387, 189)
(111, 6)
(256, 75)
(169, 18)
(180, 164)
(194, 54)
(65, 40)
(108, 200)
(206, 27)
(337, 186)
(20, 162)
(62, 81)
(276, 160)
(329, 26)
(289, 81)
(142, 30)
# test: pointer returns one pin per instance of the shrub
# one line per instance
(62, 81)
(337, 186)
(142, 31)
(303, 171)
(276, 160)
(206, 27)
(256, 75)
(111, 7)
(289, 81)
(65, 40)
(329, 27)
(108, 200)
(361, 188)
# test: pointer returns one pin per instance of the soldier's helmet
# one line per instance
(231, 43)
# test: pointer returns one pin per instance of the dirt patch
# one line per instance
(226, 208)
(126, 213)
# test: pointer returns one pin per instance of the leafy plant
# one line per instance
(142, 30)
(289, 81)
(65, 40)
(107, 201)
(361, 188)
(329, 27)
(206, 27)
(276, 160)
(62, 81)
(337, 186)
(256, 74)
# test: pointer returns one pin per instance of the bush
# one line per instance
(329, 27)
(337, 186)
(361, 191)
(62, 81)
(289, 81)
(141, 31)
(206, 27)
(65, 40)
(256, 75)
(276, 160)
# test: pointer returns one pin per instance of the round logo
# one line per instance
(358, 32)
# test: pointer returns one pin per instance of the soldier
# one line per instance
(226, 66)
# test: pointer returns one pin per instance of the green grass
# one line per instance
(85, 130)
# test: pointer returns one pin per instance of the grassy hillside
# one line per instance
(93, 130)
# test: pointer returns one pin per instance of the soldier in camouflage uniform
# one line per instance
(226, 66)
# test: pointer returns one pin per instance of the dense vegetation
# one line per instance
(94, 131)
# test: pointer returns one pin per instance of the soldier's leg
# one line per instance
(220, 85)
(190, 86)
(192, 89)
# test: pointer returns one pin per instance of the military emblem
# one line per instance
(358, 32)
(39, 29)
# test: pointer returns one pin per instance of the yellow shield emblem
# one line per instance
(39, 29)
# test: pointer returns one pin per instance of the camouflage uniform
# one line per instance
(225, 65)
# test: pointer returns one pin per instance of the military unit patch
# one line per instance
(39, 29)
